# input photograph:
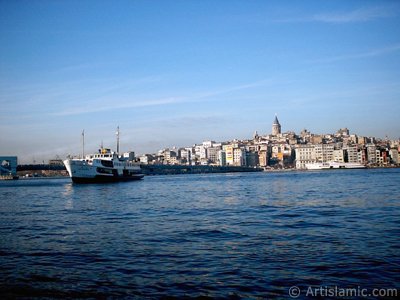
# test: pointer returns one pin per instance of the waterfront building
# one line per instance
(204, 162)
(222, 158)
(280, 149)
(379, 157)
(197, 150)
(169, 156)
(252, 159)
(362, 156)
(276, 127)
(202, 152)
(228, 154)
(129, 155)
(394, 155)
(239, 157)
(146, 159)
(186, 154)
(371, 154)
(384, 153)
(324, 152)
(338, 155)
(276, 152)
(351, 153)
(250, 147)
(173, 160)
(212, 154)
(263, 158)
(305, 154)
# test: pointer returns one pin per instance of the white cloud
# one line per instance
(115, 104)
(358, 15)
(371, 53)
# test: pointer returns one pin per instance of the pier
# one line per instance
(181, 169)
(46, 169)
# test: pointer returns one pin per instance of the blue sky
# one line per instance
(173, 73)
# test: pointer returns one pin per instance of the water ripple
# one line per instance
(213, 236)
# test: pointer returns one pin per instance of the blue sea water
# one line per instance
(242, 235)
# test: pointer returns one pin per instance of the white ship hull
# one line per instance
(97, 170)
(333, 165)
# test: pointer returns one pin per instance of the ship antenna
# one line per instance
(117, 133)
(83, 143)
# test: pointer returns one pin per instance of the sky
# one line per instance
(176, 73)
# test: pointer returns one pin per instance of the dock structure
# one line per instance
(8, 167)
(157, 169)
(181, 169)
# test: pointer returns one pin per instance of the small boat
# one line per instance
(333, 165)
(105, 166)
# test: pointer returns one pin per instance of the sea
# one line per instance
(263, 235)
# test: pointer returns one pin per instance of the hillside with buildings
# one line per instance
(283, 150)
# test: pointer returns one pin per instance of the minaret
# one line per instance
(276, 127)
(255, 136)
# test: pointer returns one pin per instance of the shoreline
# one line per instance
(182, 170)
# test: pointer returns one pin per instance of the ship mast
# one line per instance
(83, 143)
(117, 133)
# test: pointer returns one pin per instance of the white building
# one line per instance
(146, 159)
(305, 154)
(169, 156)
(186, 155)
(212, 154)
(394, 155)
(222, 158)
(129, 155)
(239, 157)
(371, 153)
(203, 152)
(361, 157)
(352, 153)
(324, 152)
(208, 144)
(338, 155)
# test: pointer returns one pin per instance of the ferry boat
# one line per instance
(105, 166)
(333, 165)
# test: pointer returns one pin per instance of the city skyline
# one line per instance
(175, 73)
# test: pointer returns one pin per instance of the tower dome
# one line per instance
(276, 127)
